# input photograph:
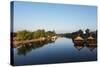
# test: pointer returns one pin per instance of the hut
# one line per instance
(54, 38)
(91, 40)
(78, 40)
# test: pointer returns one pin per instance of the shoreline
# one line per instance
(27, 41)
(15, 42)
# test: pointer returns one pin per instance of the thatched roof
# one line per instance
(78, 38)
(90, 37)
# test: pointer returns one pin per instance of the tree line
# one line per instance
(81, 33)
(28, 35)
(85, 34)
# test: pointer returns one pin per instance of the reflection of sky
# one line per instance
(61, 18)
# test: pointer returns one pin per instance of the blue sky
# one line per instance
(59, 17)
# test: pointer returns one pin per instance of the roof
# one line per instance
(78, 38)
(90, 37)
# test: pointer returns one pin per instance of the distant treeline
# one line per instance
(85, 34)
(28, 35)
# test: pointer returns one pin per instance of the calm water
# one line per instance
(60, 51)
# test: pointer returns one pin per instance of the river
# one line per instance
(60, 51)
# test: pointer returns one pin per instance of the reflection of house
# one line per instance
(78, 40)
(91, 47)
(79, 47)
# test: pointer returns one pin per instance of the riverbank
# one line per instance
(15, 42)
(27, 41)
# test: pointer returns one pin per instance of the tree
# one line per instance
(23, 35)
(50, 33)
(87, 31)
(37, 34)
(80, 32)
(27, 35)
(42, 33)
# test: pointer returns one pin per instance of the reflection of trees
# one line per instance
(23, 49)
(78, 44)
(39, 44)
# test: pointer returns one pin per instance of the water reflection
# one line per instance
(23, 49)
(90, 44)
(78, 47)
(61, 50)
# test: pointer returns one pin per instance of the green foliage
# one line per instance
(27, 35)
(50, 33)
(39, 33)
(23, 35)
